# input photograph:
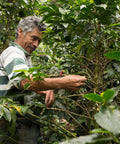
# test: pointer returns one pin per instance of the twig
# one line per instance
(75, 120)
(70, 112)
(64, 129)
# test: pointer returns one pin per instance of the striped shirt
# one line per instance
(13, 58)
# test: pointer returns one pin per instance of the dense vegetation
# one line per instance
(82, 38)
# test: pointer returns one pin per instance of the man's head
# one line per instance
(29, 33)
(28, 23)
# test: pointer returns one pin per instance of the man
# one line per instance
(17, 56)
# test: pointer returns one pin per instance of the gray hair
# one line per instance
(28, 23)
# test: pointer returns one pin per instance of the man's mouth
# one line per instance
(33, 47)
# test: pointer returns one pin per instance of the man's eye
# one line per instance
(36, 39)
(33, 39)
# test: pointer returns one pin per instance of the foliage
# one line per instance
(36, 75)
(108, 118)
(91, 139)
(103, 98)
(113, 55)
(11, 11)
(83, 32)
(82, 38)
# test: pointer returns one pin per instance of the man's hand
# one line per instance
(73, 82)
(50, 97)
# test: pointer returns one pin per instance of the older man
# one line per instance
(18, 56)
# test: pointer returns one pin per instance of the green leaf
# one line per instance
(33, 69)
(21, 74)
(12, 125)
(26, 85)
(107, 95)
(7, 114)
(1, 111)
(109, 119)
(91, 139)
(10, 100)
(13, 115)
(115, 24)
(55, 8)
(99, 130)
(94, 97)
(39, 76)
(24, 109)
(40, 104)
(44, 9)
(23, 71)
(114, 55)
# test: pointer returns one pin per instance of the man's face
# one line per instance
(31, 40)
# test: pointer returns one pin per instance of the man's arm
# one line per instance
(70, 83)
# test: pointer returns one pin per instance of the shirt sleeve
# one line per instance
(14, 59)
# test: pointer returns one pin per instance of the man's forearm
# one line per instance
(46, 84)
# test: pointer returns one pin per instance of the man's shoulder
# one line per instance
(12, 50)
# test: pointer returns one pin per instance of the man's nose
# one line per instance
(35, 43)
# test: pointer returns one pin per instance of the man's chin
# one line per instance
(31, 47)
(30, 50)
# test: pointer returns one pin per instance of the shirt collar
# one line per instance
(17, 45)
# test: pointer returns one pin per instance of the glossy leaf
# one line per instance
(7, 114)
(24, 109)
(114, 55)
(26, 86)
(109, 119)
(1, 111)
(94, 97)
(88, 139)
(100, 131)
(107, 95)
(13, 115)
(23, 71)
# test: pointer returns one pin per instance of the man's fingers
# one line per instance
(50, 97)
(49, 100)
(81, 83)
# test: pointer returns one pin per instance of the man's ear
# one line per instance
(20, 32)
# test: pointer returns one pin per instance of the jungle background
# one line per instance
(82, 38)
